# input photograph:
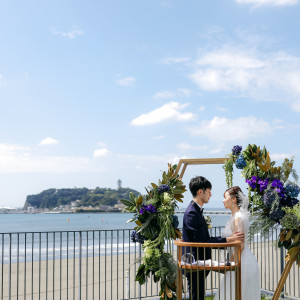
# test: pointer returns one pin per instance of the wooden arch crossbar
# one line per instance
(197, 161)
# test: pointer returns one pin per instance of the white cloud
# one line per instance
(127, 160)
(126, 81)
(169, 111)
(223, 130)
(101, 152)
(70, 34)
(174, 60)
(48, 141)
(185, 146)
(19, 159)
(5, 149)
(201, 108)
(268, 2)
(179, 93)
(245, 72)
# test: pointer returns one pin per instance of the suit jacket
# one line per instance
(195, 230)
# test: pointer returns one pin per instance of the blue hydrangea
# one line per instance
(288, 201)
(294, 202)
(268, 198)
(163, 188)
(236, 150)
(292, 190)
(175, 222)
(240, 162)
(277, 214)
(136, 237)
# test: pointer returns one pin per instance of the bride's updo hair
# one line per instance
(236, 192)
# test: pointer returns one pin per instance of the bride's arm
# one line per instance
(238, 225)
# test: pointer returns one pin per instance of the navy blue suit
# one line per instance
(195, 230)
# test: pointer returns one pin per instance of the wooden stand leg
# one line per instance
(179, 284)
(283, 278)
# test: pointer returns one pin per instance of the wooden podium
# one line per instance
(183, 268)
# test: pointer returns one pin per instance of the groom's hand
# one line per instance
(237, 236)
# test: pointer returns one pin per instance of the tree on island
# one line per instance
(88, 197)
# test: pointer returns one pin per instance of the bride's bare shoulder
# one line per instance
(239, 218)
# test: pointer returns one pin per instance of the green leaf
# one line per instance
(139, 223)
(131, 220)
(139, 201)
(154, 185)
(140, 275)
(165, 177)
(132, 197)
(127, 202)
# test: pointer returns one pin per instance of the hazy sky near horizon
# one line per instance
(96, 91)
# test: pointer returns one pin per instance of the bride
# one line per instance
(238, 203)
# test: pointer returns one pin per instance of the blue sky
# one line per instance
(96, 91)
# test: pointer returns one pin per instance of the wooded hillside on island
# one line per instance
(84, 197)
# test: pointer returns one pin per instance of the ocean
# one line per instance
(58, 236)
(77, 222)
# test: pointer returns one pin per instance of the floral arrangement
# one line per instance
(272, 196)
(208, 222)
(156, 225)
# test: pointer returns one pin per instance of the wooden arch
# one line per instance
(181, 167)
(183, 163)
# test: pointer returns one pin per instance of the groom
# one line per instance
(195, 230)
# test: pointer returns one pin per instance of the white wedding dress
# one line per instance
(250, 275)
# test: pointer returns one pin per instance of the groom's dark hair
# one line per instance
(199, 183)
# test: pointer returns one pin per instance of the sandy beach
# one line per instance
(112, 277)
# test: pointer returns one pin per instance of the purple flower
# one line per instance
(252, 182)
(163, 188)
(240, 162)
(149, 208)
(278, 186)
(236, 150)
(263, 184)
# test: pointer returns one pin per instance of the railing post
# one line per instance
(127, 285)
(79, 268)
(9, 280)
(140, 256)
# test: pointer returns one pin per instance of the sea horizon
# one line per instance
(44, 222)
